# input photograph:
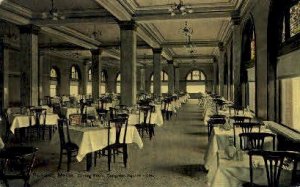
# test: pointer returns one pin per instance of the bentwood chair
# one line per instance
(245, 127)
(255, 140)
(119, 125)
(211, 123)
(66, 146)
(145, 113)
(17, 163)
(241, 119)
(274, 164)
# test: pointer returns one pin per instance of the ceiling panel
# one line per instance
(203, 29)
(144, 3)
(197, 51)
(109, 32)
(45, 5)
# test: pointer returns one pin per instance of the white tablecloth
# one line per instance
(233, 173)
(156, 117)
(218, 141)
(91, 139)
(20, 121)
(67, 111)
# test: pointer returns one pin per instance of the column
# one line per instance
(65, 81)
(85, 77)
(143, 79)
(177, 78)
(236, 38)
(41, 77)
(221, 68)
(96, 73)
(216, 76)
(29, 65)
(128, 63)
(156, 71)
(171, 76)
(4, 78)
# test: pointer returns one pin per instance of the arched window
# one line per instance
(54, 78)
(103, 82)
(89, 84)
(291, 23)
(74, 83)
(164, 82)
(118, 83)
(195, 82)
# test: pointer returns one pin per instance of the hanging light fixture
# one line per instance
(187, 30)
(96, 34)
(180, 8)
(53, 13)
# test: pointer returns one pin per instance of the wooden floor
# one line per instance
(172, 158)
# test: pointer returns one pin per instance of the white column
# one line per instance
(221, 68)
(171, 76)
(96, 73)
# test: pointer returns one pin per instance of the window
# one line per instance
(74, 73)
(118, 83)
(103, 82)
(74, 84)
(89, 84)
(291, 21)
(53, 82)
(195, 82)
(164, 82)
(290, 95)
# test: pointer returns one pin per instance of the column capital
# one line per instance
(221, 46)
(29, 29)
(157, 50)
(127, 25)
(235, 17)
(96, 51)
(86, 62)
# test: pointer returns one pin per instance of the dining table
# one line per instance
(22, 120)
(156, 117)
(221, 140)
(91, 139)
(66, 111)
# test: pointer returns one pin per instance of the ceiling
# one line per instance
(210, 23)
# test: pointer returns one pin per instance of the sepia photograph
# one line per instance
(149, 93)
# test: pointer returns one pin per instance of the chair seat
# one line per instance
(71, 146)
(17, 151)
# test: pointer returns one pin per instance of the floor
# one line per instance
(172, 158)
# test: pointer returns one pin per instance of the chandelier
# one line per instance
(180, 8)
(96, 34)
(53, 13)
(187, 30)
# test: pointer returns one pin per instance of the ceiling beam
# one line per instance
(195, 43)
(115, 8)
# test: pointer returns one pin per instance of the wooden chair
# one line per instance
(241, 119)
(145, 125)
(66, 146)
(211, 123)
(255, 140)
(120, 146)
(217, 116)
(274, 162)
(246, 128)
(75, 119)
(17, 163)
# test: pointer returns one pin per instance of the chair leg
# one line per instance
(95, 158)
(60, 159)
(109, 158)
(69, 160)
(125, 155)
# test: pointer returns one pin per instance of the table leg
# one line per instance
(89, 161)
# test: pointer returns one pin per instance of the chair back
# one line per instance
(246, 128)
(61, 131)
(217, 116)
(119, 124)
(75, 119)
(274, 161)
(211, 123)
(145, 113)
(39, 114)
(240, 119)
(255, 140)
